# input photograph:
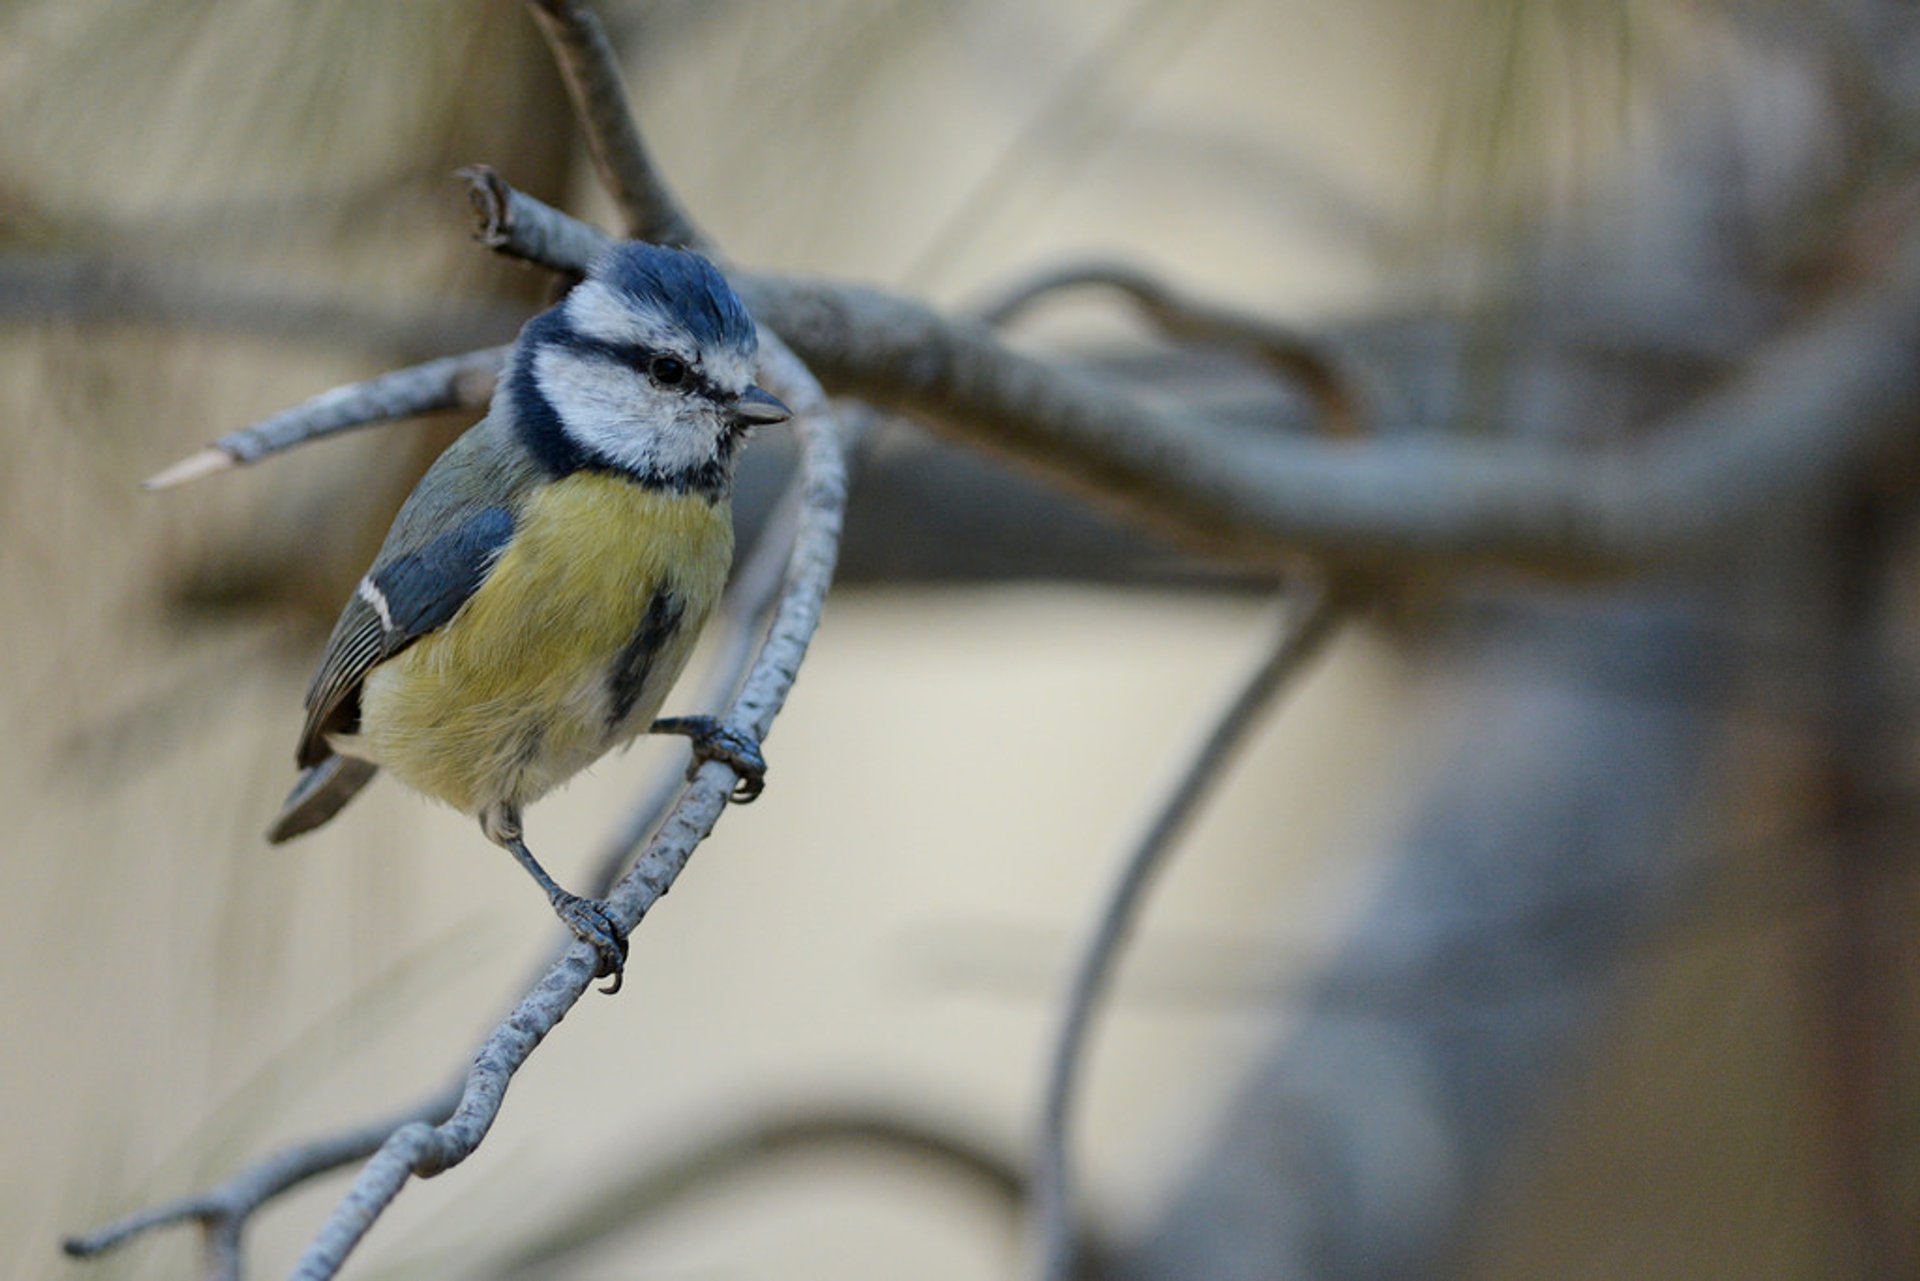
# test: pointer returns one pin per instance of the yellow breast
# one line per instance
(567, 649)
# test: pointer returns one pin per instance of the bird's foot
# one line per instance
(714, 741)
(590, 919)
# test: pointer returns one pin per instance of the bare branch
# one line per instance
(223, 1211)
(605, 110)
(1304, 632)
(657, 1186)
(427, 1150)
(455, 382)
(105, 288)
(1289, 352)
(512, 223)
(1809, 407)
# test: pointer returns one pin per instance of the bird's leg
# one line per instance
(588, 918)
(713, 741)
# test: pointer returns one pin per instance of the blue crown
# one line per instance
(681, 285)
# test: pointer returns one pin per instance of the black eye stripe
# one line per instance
(638, 357)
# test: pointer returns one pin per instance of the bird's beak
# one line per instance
(758, 407)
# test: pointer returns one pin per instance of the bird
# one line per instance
(541, 589)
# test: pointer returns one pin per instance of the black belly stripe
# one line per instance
(630, 670)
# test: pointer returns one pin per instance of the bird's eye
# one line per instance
(668, 371)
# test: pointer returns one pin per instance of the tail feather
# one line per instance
(318, 796)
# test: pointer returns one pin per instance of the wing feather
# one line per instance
(403, 598)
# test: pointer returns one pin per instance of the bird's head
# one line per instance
(645, 368)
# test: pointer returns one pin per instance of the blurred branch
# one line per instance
(94, 289)
(1807, 408)
(711, 1160)
(1361, 1147)
(1303, 634)
(600, 99)
(1291, 353)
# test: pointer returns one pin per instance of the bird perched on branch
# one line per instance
(543, 586)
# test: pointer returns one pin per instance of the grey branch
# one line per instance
(510, 222)
(1558, 840)
(1292, 353)
(1809, 407)
(107, 288)
(1302, 635)
(428, 1150)
(453, 382)
(665, 1180)
(223, 1211)
(600, 100)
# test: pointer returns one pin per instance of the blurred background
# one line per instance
(1550, 929)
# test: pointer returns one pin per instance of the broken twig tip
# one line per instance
(205, 463)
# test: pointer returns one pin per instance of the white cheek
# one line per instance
(620, 416)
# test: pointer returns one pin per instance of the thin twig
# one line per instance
(1292, 353)
(1302, 634)
(453, 382)
(600, 99)
(223, 1211)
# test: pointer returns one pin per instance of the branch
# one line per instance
(105, 288)
(428, 1150)
(225, 1210)
(1304, 633)
(512, 223)
(1289, 352)
(600, 99)
(1558, 837)
(639, 1197)
(455, 382)
(1810, 407)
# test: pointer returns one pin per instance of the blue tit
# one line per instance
(543, 586)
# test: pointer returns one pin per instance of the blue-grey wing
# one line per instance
(411, 591)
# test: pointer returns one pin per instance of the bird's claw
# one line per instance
(714, 741)
(590, 919)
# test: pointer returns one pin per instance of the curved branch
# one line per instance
(1809, 407)
(420, 1149)
(223, 1211)
(1291, 353)
(633, 1200)
(1302, 635)
(600, 100)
